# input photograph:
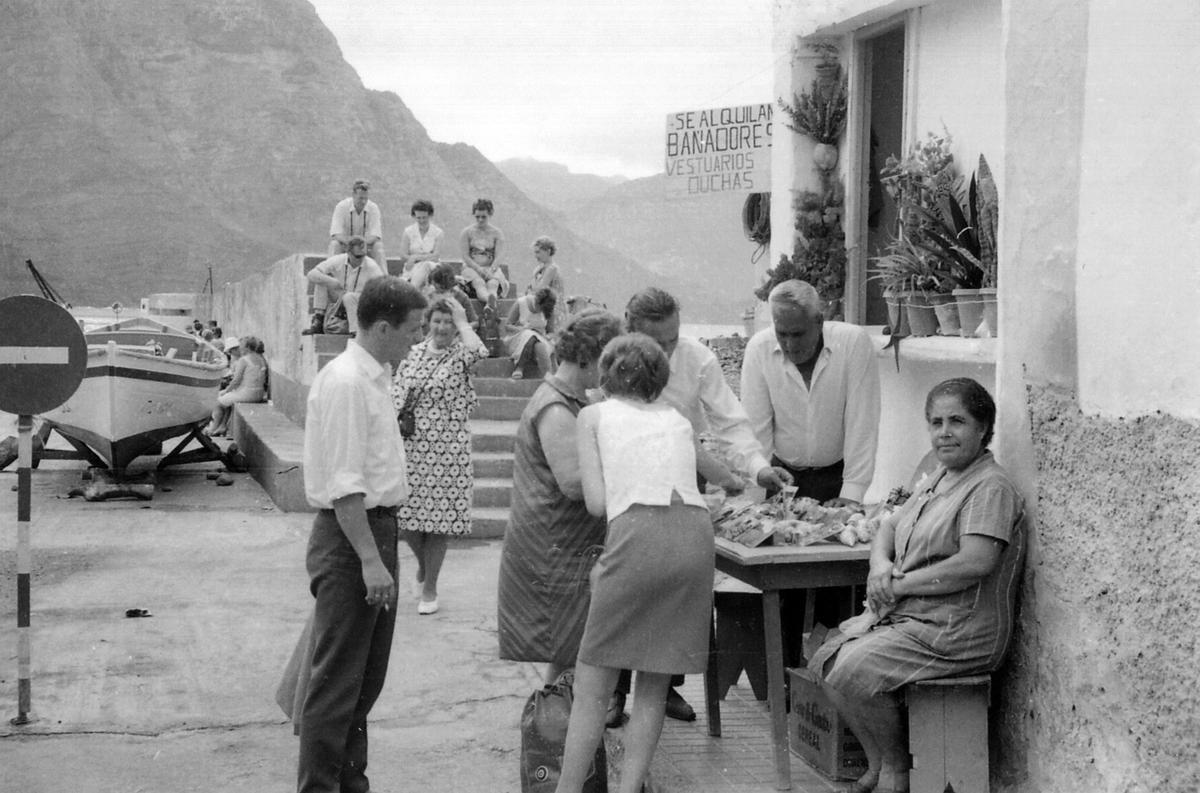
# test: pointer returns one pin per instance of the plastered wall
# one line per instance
(1103, 693)
(1139, 209)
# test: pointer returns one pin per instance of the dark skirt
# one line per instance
(651, 604)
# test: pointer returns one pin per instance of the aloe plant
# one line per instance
(987, 223)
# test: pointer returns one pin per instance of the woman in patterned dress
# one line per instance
(551, 541)
(940, 592)
(435, 381)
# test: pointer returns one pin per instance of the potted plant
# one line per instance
(953, 229)
(819, 252)
(910, 279)
(820, 114)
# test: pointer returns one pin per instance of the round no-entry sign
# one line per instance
(42, 355)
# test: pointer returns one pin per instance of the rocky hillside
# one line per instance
(554, 186)
(143, 141)
(697, 245)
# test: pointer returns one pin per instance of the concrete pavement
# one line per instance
(183, 700)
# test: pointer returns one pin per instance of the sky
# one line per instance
(584, 83)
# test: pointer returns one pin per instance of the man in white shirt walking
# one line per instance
(354, 474)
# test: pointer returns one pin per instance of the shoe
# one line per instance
(317, 327)
(427, 607)
(678, 708)
(616, 710)
(518, 374)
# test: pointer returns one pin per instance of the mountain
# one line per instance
(554, 185)
(144, 141)
(696, 247)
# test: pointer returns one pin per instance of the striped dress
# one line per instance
(550, 546)
(961, 633)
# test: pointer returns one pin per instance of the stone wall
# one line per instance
(1101, 691)
(272, 304)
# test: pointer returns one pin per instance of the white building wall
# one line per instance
(1138, 281)
(960, 75)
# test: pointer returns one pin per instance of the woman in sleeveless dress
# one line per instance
(551, 542)
(651, 607)
(481, 243)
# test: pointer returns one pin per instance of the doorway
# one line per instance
(883, 116)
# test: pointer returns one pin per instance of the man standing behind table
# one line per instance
(343, 275)
(354, 474)
(357, 216)
(698, 390)
(811, 389)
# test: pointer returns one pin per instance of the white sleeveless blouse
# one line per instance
(647, 453)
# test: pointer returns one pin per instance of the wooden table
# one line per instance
(773, 568)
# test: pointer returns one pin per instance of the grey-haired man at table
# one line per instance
(811, 390)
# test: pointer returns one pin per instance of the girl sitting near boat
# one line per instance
(249, 383)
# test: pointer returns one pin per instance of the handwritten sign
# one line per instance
(726, 149)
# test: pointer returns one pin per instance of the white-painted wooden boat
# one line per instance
(145, 382)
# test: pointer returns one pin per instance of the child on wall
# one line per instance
(547, 276)
(651, 605)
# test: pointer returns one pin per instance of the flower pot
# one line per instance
(946, 309)
(991, 310)
(897, 316)
(970, 310)
(922, 321)
(825, 156)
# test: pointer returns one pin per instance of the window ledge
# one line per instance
(936, 348)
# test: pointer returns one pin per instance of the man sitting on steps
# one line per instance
(341, 276)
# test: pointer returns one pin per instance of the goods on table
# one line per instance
(787, 521)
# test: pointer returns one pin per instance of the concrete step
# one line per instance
(493, 436)
(505, 386)
(488, 523)
(274, 448)
(492, 465)
(492, 492)
(501, 408)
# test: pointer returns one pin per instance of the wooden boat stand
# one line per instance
(209, 451)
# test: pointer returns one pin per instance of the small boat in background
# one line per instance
(145, 383)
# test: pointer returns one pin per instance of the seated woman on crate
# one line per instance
(940, 593)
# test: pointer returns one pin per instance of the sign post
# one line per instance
(42, 360)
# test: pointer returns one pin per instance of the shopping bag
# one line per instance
(543, 736)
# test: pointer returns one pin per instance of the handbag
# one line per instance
(407, 415)
(544, 736)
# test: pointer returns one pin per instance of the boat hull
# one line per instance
(131, 400)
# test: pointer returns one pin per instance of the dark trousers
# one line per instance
(351, 645)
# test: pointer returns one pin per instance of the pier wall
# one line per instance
(272, 304)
